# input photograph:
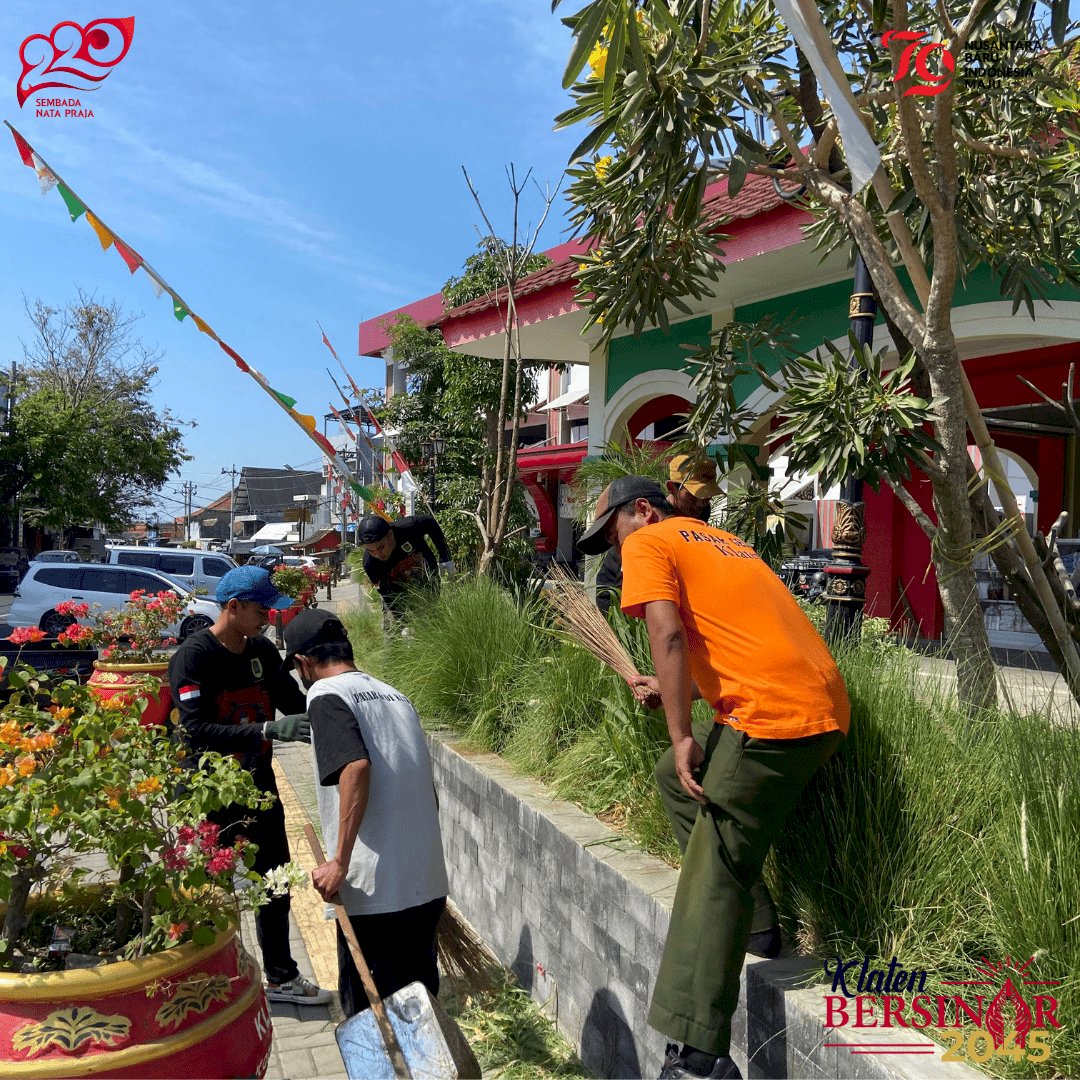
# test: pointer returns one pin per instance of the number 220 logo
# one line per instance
(78, 57)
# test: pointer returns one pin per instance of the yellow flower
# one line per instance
(54, 812)
(601, 166)
(10, 732)
(114, 797)
(44, 741)
(598, 62)
(64, 713)
(7, 776)
(148, 786)
(3, 848)
(26, 764)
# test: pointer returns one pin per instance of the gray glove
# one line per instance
(288, 729)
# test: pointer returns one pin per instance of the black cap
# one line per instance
(309, 628)
(623, 490)
(372, 529)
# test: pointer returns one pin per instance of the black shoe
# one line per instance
(675, 1068)
(766, 944)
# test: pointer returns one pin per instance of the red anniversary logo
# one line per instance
(73, 56)
(916, 55)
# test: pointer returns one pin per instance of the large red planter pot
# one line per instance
(196, 1010)
(109, 680)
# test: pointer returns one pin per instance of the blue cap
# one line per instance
(251, 583)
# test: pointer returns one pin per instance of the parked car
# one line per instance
(48, 584)
(57, 556)
(13, 564)
(198, 571)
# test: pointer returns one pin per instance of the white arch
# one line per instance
(638, 390)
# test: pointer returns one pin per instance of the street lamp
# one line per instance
(432, 449)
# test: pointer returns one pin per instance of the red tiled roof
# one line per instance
(757, 196)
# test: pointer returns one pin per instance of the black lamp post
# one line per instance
(432, 449)
(845, 593)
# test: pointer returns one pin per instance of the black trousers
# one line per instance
(267, 829)
(399, 947)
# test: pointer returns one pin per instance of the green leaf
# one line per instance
(737, 169)
(203, 935)
(589, 26)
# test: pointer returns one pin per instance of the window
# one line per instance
(147, 582)
(184, 565)
(99, 579)
(215, 567)
(60, 576)
(137, 558)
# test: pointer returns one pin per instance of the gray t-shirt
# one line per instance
(397, 859)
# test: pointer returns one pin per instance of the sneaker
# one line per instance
(675, 1068)
(299, 991)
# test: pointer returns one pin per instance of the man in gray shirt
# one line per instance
(378, 812)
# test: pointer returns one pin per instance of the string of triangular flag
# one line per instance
(49, 178)
(408, 484)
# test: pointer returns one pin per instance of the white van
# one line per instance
(200, 571)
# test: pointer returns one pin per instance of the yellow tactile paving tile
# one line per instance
(307, 906)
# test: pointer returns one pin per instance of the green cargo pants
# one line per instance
(752, 785)
(682, 813)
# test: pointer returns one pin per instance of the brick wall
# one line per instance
(580, 915)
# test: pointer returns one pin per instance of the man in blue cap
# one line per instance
(227, 681)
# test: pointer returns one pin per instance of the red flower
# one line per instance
(174, 859)
(223, 861)
(24, 635)
(208, 835)
(186, 835)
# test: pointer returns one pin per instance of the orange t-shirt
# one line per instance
(753, 653)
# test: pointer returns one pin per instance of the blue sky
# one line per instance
(276, 168)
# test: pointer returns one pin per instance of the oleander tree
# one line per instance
(973, 105)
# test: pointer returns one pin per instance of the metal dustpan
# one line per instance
(409, 1034)
(431, 1043)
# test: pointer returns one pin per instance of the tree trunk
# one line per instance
(952, 550)
(15, 917)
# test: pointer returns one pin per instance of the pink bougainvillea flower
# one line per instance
(177, 930)
(69, 607)
(223, 861)
(208, 835)
(24, 635)
(185, 835)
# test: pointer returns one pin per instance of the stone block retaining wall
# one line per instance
(580, 915)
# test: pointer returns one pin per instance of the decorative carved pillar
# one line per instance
(845, 592)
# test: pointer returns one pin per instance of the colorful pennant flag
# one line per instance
(285, 400)
(72, 201)
(179, 310)
(236, 357)
(133, 259)
(45, 176)
(25, 152)
(202, 325)
(157, 286)
(103, 234)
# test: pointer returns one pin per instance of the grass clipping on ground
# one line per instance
(508, 1033)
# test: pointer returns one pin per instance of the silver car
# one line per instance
(48, 584)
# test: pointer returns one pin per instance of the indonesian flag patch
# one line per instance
(189, 693)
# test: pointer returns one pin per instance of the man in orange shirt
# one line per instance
(721, 623)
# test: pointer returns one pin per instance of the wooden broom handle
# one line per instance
(393, 1048)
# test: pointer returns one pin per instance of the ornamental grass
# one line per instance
(929, 836)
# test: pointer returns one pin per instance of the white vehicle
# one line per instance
(198, 571)
(270, 561)
(48, 584)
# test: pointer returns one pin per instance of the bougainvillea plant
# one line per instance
(299, 582)
(133, 634)
(83, 782)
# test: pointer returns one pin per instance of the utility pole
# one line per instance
(231, 474)
(189, 490)
(8, 430)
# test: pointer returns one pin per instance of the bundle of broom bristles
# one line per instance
(577, 615)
